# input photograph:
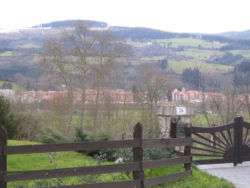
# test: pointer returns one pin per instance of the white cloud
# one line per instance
(209, 16)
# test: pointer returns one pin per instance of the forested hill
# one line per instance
(237, 35)
(71, 23)
(176, 52)
(128, 32)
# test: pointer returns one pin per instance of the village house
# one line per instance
(194, 96)
(117, 96)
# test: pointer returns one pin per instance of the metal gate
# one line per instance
(221, 144)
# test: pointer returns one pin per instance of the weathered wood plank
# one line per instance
(67, 172)
(138, 175)
(85, 146)
(3, 157)
(211, 129)
(207, 150)
(208, 146)
(166, 162)
(219, 140)
(167, 143)
(187, 150)
(212, 161)
(209, 141)
(206, 155)
(91, 146)
(238, 130)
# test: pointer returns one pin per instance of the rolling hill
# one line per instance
(20, 51)
(243, 35)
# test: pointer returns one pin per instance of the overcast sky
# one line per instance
(207, 16)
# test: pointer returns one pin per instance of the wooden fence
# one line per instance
(228, 143)
(137, 166)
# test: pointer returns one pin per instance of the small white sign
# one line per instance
(181, 110)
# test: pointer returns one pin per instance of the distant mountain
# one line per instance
(245, 35)
(146, 33)
(32, 38)
(134, 33)
(123, 32)
(72, 23)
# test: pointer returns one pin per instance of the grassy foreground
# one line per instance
(72, 159)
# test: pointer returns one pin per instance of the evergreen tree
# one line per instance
(192, 77)
(7, 119)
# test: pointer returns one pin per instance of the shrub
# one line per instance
(80, 135)
(7, 118)
(149, 154)
(7, 85)
(52, 136)
(104, 154)
(29, 125)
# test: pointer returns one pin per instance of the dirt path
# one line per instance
(239, 175)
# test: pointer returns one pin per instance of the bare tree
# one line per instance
(84, 58)
(56, 61)
(82, 41)
(222, 102)
(151, 86)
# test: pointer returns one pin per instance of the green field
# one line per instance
(29, 46)
(244, 53)
(200, 120)
(73, 159)
(194, 56)
(16, 87)
(6, 54)
(179, 66)
(200, 55)
(189, 42)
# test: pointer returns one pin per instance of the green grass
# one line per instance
(244, 53)
(7, 54)
(72, 159)
(16, 87)
(200, 55)
(197, 180)
(28, 46)
(179, 66)
(194, 56)
(198, 61)
(200, 120)
(189, 42)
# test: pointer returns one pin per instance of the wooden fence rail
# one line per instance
(137, 166)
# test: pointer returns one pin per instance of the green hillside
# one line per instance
(191, 42)
(15, 86)
(194, 53)
(244, 53)
(20, 52)
(179, 66)
(6, 54)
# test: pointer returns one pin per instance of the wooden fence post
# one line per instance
(238, 131)
(187, 149)
(3, 157)
(173, 128)
(138, 155)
